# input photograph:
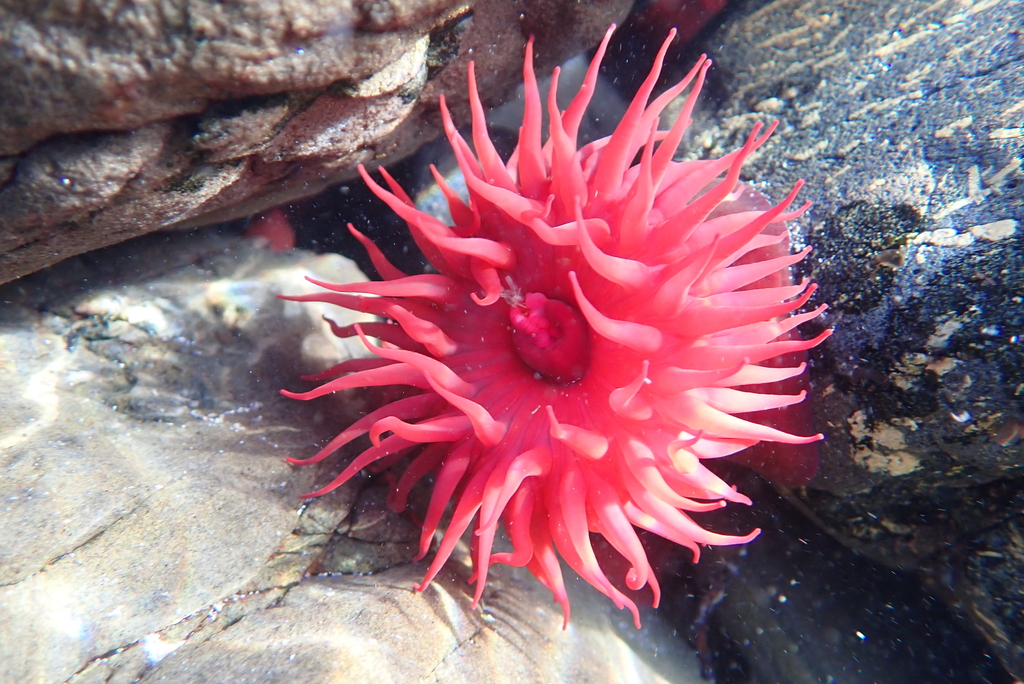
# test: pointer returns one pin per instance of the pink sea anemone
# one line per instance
(584, 344)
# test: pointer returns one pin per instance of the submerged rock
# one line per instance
(151, 530)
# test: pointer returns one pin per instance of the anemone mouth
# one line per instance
(551, 337)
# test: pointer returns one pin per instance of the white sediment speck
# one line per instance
(995, 231)
(156, 648)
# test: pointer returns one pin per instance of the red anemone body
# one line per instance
(584, 345)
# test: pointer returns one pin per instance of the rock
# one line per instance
(898, 115)
(151, 530)
(988, 585)
(143, 444)
(377, 629)
(150, 115)
(798, 607)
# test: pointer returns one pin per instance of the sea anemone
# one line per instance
(583, 347)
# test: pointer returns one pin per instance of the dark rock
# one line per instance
(898, 116)
(798, 607)
(990, 589)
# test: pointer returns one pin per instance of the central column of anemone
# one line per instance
(551, 337)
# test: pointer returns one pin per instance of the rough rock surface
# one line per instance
(796, 606)
(151, 530)
(127, 118)
(906, 120)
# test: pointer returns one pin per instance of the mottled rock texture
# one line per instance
(125, 118)
(906, 120)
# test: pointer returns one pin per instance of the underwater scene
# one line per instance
(668, 341)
